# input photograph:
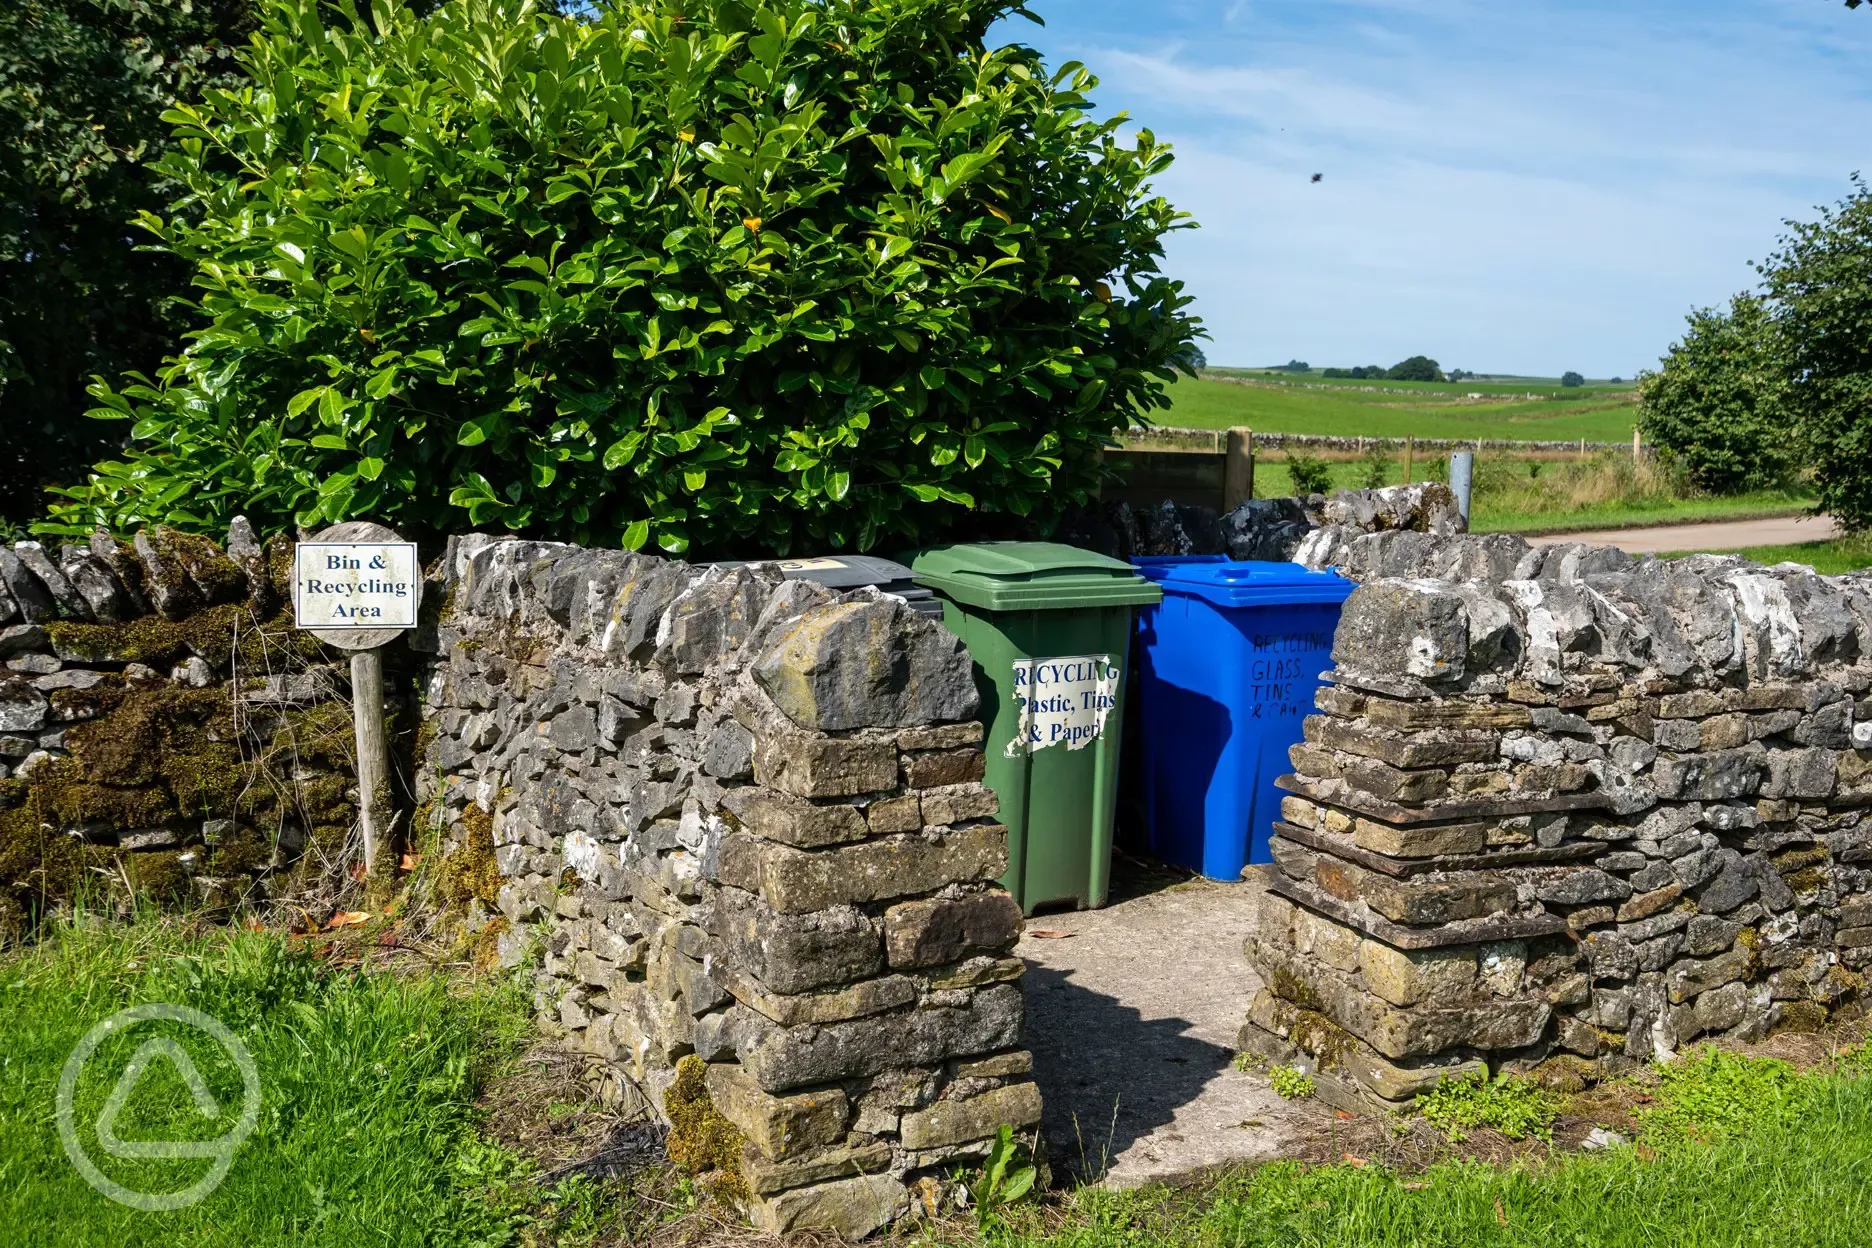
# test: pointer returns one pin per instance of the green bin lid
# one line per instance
(1031, 576)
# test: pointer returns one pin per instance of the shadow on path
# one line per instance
(1131, 1015)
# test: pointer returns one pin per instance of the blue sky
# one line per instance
(1520, 186)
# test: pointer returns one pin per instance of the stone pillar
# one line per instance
(748, 815)
(1565, 824)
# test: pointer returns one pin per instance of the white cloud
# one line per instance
(1527, 188)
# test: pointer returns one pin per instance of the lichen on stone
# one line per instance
(1325, 1040)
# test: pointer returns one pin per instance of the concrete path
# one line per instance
(1729, 535)
(1132, 1013)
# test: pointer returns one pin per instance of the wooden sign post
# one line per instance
(357, 586)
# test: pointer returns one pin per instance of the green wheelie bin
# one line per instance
(1049, 627)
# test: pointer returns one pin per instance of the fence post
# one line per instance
(1410, 451)
(1238, 469)
(1461, 474)
(1637, 447)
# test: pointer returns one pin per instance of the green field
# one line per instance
(1846, 554)
(1503, 504)
(1344, 409)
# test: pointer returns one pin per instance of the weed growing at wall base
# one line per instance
(1784, 1180)
(1515, 1107)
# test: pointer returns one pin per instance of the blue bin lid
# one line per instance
(1245, 583)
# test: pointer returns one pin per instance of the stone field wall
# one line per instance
(741, 818)
(1562, 811)
(163, 729)
(1261, 528)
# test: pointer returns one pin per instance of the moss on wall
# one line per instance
(220, 634)
(701, 1142)
(160, 755)
(470, 871)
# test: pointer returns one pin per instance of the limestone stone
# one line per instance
(940, 736)
(1407, 977)
(1581, 887)
(977, 1118)
(1730, 887)
(1720, 1008)
(19, 639)
(849, 1208)
(781, 1058)
(22, 707)
(937, 932)
(1422, 840)
(1404, 628)
(1809, 774)
(813, 766)
(94, 581)
(868, 664)
(1445, 748)
(997, 1066)
(165, 579)
(1335, 1050)
(778, 1127)
(1442, 713)
(1411, 788)
(728, 751)
(1423, 900)
(1610, 955)
(795, 821)
(32, 603)
(1711, 777)
(709, 619)
(894, 814)
(795, 881)
(769, 1177)
(792, 953)
(1709, 934)
(34, 558)
(1644, 905)
(824, 1005)
(934, 768)
(1690, 977)
(1421, 1031)
(975, 972)
(958, 803)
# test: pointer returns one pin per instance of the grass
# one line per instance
(1291, 1084)
(1494, 518)
(367, 1132)
(1546, 387)
(1518, 495)
(1735, 1153)
(1846, 554)
(1517, 1108)
(371, 1132)
(1343, 410)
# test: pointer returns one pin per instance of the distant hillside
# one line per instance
(1274, 401)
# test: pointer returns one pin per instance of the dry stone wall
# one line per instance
(740, 820)
(163, 729)
(1563, 810)
(1261, 528)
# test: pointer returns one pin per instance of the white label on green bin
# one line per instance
(1062, 701)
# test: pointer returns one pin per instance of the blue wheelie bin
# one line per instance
(1225, 672)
